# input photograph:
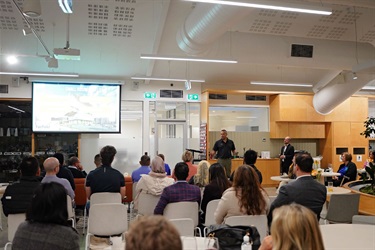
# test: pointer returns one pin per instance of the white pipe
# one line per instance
(337, 91)
(205, 24)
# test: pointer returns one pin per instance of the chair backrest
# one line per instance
(364, 219)
(69, 207)
(147, 203)
(128, 189)
(105, 197)
(210, 210)
(342, 208)
(185, 226)
(80, 191)
(14, 220)
(183, 209)
(259, 221)
(134, 190)
(108, 219)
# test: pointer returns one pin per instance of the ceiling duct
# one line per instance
(205, 24)
(337, 91)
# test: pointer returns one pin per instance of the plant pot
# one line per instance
(366, 201)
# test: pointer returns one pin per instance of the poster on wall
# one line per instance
(203, 141)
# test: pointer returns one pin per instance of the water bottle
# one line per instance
(246, 245)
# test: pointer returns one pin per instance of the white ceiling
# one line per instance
(112, 34)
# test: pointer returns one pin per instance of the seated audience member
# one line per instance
(293, 227)
(17, 197)
(105, 178)
(143, 169)
(347, 170)
(97, 160)
(154, 182)
(214, 190)
(46, 226)
(64, 171)
(304, 190)
(187, 157)
(52, 166)
(166, 166)
(250, 158)
(180, 191)
(245, 197)
(152, 233)
(76, 167)
(200, 179)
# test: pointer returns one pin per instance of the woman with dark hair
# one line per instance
(218, 183)
(46, 225)
(347, 170)
(245, 197)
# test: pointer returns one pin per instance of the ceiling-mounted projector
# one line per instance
(67, 54)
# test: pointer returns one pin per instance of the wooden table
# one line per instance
(338, 190)
(348, 236)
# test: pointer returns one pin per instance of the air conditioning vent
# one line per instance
(4, 89)
(218, 97)
(256, 98)
(300, 50)
(165, 93)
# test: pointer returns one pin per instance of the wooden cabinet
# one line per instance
(300, 130)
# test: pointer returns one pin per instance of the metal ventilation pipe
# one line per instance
(337, 91)
(205, 24)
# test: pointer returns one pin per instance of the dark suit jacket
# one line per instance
(351, 173)
(180, 191)
(289, 153)
(304, 191)
(77, 173)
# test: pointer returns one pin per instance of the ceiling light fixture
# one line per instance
(39, 74)
(66, 6)
(273, 5)
(186, 58)
(162, 79)
(26, 31)
(368, 88)
(187, 85)
(12, 59)
(32, 8)
(355, 77)
(282, 84)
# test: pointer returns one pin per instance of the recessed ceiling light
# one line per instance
(186, 58)
(163, 79)
(12, 59)
(282, 84)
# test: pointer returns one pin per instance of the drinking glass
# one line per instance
(330, 186)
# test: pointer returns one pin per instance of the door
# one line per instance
(171, 140)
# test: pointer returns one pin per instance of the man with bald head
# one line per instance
(286, 156)
(51, 166)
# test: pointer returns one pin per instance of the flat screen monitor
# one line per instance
(76, 107)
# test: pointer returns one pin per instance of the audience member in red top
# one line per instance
(187, 157)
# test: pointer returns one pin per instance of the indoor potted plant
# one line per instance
(369, 125)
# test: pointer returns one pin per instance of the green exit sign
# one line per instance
(150, 95)
(194, 97)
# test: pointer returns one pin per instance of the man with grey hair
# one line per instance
(51, 166)
(76, 167)
(286, 156)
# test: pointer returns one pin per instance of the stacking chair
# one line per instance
(106, 220)
(341, 208)
(71, 212)
(181, 210)
(147, 203)
(80, 193)
(209, 216)
(100, 198)
(259, 221)
(14, 220)
(185, 226)
(363, 219)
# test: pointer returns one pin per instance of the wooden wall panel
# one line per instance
(306, 130)
(358, 109)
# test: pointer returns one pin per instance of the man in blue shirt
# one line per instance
(143, 169)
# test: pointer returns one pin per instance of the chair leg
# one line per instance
(84, 220)
(87, 242)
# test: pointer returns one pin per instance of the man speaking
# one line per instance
(224, 148)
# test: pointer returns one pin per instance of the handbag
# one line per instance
(231, 237)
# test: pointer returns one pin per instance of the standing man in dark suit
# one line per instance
(286, 155)
(304, 190)
(180, 191)
(224, 148)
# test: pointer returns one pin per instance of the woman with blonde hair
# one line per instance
(201, 178)
(154, 182)
(152, 233)
(293, 227)
(245, 197)
(188, 158)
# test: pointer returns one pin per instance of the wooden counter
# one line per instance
(268, 168)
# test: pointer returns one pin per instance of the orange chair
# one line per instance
(129, 191)
(80, 192)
